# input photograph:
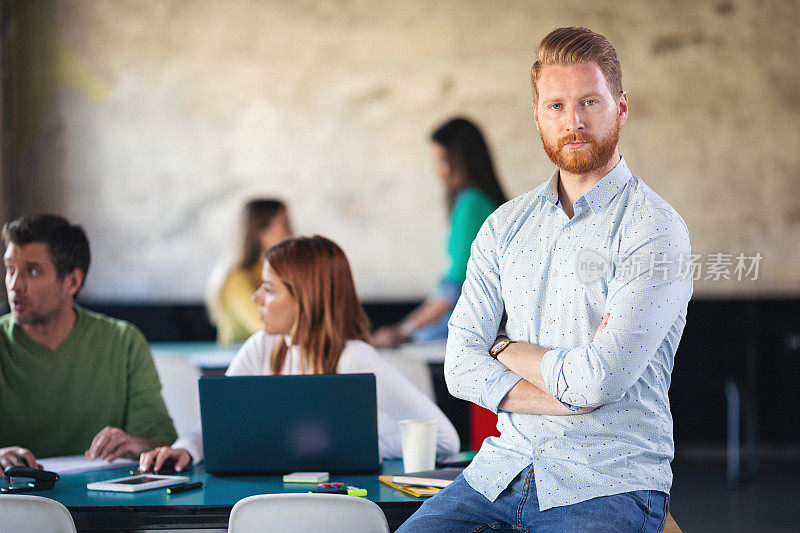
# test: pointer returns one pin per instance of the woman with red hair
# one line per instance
(314, 324)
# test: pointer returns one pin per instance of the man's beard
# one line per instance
(584, 160)
(38, 317)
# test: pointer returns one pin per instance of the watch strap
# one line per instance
(499, 347)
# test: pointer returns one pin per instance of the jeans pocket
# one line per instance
(642, 499)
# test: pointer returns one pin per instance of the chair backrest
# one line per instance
(179, 389)
(23, 513)
(307, 513)
(414, 370)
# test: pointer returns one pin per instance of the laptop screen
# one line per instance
(278, 424)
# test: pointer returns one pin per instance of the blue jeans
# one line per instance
(460, 508)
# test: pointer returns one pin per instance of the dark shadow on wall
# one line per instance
(33, 140)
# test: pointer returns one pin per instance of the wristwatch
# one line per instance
(498, 347)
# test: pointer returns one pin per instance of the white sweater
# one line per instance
(398, 398)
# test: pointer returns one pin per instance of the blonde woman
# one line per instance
(265, 223)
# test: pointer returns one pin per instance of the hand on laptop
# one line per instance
(16, 455)
(112, 442)
(155, 459)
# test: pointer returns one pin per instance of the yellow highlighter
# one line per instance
(350, 491)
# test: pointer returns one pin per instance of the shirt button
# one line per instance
(549, 321)
(554, 273)
(566, 230)
(538, 451)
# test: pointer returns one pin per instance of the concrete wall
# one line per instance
(152, 121)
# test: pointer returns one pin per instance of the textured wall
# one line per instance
(151, 122)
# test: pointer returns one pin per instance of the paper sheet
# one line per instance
(73, 464)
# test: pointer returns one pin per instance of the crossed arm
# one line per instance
(647, 295)
(530, 395)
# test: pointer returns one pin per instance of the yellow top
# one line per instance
(238, 314)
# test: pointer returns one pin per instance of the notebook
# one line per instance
(280, 424)
(428, 478)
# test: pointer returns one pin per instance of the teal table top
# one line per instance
(205, 507)
(202, 354)
(192, 347)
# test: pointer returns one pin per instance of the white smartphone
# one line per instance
(137, 483)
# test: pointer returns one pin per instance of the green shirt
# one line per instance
(55, 402)
(470, 209)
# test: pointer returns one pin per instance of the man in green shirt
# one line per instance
(71, 381)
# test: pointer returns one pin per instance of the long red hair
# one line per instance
(318, 276)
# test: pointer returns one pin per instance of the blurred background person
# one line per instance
(463, 163)
(265, 222)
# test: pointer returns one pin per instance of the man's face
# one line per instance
(35, 293)
(577, 116)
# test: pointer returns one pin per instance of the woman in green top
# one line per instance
(465, 166)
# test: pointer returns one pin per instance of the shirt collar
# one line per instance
(601, 192)
(550, 192)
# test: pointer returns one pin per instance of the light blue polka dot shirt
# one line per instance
(550, 280)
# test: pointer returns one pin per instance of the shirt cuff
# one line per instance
(553, 374)
(497, 386)
(195, 449)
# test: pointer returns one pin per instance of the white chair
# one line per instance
(179, 389)
(307, 513)
(414, 370)
(23, 513)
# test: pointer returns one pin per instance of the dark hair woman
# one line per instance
(464, 164)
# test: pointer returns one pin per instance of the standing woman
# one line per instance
(472, 192)
(265, 223)
(313, 323)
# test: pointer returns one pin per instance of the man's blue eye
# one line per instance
(590, 102)
(555, 106)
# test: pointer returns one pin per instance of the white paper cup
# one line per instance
(418, 439)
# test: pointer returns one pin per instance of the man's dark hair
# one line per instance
(67, 243)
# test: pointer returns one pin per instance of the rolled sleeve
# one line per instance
(553, 373)
(495, 388)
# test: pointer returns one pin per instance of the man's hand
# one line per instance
(16, 456)
(155, 459)
(112, 442)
